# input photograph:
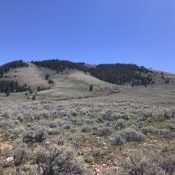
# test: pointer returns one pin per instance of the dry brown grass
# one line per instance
(32, 76)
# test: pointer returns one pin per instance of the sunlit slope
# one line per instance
(163, 78)
(74, 83)
(69, 83)
(32, 76)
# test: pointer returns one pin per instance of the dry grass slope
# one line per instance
(69, 84)
(32, 76)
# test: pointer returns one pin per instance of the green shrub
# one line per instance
(120, 124)
(166, 133)
(161, 163)
(15, 133)
(78, 139)
(59, 140)
(37, 136)
(89, 159)
(53, 124)
(166, 161)
(54, 131)
(27, 169)
(66, 126)
(110, 116)
(104, 131)
(89, 121)
(148, 130)
(59, 161)
(118, 140)
(128, 135)
(5, 124)
(98, 154)
(131, 135)
(86, 129)
(21, 154)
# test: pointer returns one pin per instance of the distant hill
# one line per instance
(19, 76)
(120, 74)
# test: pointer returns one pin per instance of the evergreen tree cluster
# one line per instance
(11, 86)
(15, 64)
(112, 73)
(122, 74)
(59, 65)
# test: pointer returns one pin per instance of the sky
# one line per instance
(93, 31)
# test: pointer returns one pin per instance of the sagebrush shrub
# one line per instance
(59, 161)
(36, 136)
(66, 126)
(86, 129)
(21, 154)
(131, 135)
(78, 139)
(166, 133)
(54, 131)
(128, 135)
(148, 130)
(27, 169)
(118, 140)
(104, 131)
(161, 163)
(120, 124)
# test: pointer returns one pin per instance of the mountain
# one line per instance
(59, 75)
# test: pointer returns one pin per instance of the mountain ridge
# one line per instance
(32, 75)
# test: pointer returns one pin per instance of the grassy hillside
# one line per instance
(75, 84)
(66, 84)
(120, 74)
(12, 65)
(33, 75)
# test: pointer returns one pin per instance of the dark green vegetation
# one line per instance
(59, 65)
(91, 87)
(122, 74)
(112, 73)
(7, 86)
(11, 86)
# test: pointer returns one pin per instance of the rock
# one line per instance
(9, 159)
(104, 143)
(47, 143)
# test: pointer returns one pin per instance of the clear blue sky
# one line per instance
(92, 31)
